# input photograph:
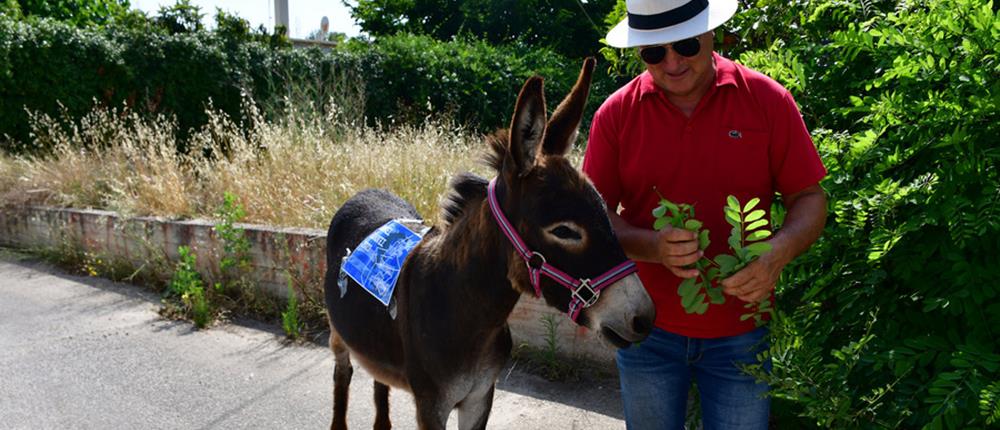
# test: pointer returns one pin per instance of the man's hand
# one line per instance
(676, 248)
(755, 282)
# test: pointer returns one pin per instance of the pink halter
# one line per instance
(585, 291)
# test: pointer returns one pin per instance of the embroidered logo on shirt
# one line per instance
(735, 134)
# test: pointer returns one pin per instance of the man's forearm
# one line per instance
(639, 243)
(803, 225)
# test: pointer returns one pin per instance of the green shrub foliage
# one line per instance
(893, 318)
(569, 27)
(59, 69)
(81, 13)
(409, 77)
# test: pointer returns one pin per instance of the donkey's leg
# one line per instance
(342, 372)
(474, 411)
(432, 413)
(382, 407)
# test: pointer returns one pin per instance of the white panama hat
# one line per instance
(657, 22)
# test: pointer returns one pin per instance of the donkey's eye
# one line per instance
(566, 233)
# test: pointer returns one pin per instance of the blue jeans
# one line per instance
(656, 376)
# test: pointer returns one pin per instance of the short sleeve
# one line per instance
(795, 164)
(600, 161)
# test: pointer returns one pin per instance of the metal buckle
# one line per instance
(537, 259)
(594, 295)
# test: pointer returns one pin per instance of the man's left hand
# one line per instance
(754, 282)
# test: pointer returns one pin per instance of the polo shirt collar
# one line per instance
(725, 74)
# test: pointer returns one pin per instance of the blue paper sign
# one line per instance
(376, 262)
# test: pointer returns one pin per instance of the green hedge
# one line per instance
(892, 319)
(475, 82)
(45, 64)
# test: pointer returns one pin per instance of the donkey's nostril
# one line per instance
(642, 325)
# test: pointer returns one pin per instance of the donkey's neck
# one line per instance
(477, 257)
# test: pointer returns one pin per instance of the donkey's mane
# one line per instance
(466, 188)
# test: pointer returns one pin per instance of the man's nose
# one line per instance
(673, 59)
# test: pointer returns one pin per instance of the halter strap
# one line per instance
(585, 291)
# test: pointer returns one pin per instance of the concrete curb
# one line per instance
(276, 254)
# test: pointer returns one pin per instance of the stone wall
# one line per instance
(276, 254)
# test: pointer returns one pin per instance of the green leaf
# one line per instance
(701, 306)
(735, 242)
(669, 205)
(733, 217)
(755, 215)
(703, 240)
(689, 301)
(726, 262)
(692, 224)
(757, 224)
(660, 211)
(660, 223)
(758, 249)
(688, 287)
(732, 203)
(758, 235)
(751, 204)
(715, 296)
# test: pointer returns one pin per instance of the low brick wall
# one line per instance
(276, 254)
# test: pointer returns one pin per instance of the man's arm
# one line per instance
(804, 223)
(671, 247)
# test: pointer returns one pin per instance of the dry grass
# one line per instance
(294, 172)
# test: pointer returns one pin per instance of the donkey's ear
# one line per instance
(528, 126)
(565, 123)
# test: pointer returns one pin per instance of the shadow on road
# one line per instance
(596, 393)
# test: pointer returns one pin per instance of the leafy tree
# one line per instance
(10, 8)
(570, 27)
(181, 17)
(81, 13)
(891, 319)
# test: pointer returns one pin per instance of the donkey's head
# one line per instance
(553, 209)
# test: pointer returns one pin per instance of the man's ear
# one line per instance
(527, 127)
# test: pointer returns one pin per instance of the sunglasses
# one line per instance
(684, 48)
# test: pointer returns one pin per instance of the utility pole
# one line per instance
(281, 14)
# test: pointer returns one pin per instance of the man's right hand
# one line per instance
(677, 248)
(672, 247)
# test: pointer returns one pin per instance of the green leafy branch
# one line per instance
(236, 246)
(749, 229)
(746, 240)
(698, 292)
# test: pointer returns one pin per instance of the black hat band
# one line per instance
(669, 18)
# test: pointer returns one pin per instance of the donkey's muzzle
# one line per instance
(624, 315)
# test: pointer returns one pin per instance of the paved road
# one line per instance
(85, 353)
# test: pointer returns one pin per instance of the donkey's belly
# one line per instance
(370, 334)
(386, 373)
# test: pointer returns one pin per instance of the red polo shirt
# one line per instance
(746, 138)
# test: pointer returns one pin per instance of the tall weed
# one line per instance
(294, 171)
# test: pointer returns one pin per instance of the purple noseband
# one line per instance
(585, 291)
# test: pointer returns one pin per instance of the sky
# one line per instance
(303, 15)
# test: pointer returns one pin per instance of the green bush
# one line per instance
(81, 13)
(410, 77)
(60, 70)
(892, 319)
(564, 26)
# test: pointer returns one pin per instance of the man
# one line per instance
(696, 127)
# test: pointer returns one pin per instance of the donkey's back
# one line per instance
(358, 217)
(356, 316)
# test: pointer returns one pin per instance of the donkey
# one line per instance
(448, 338)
